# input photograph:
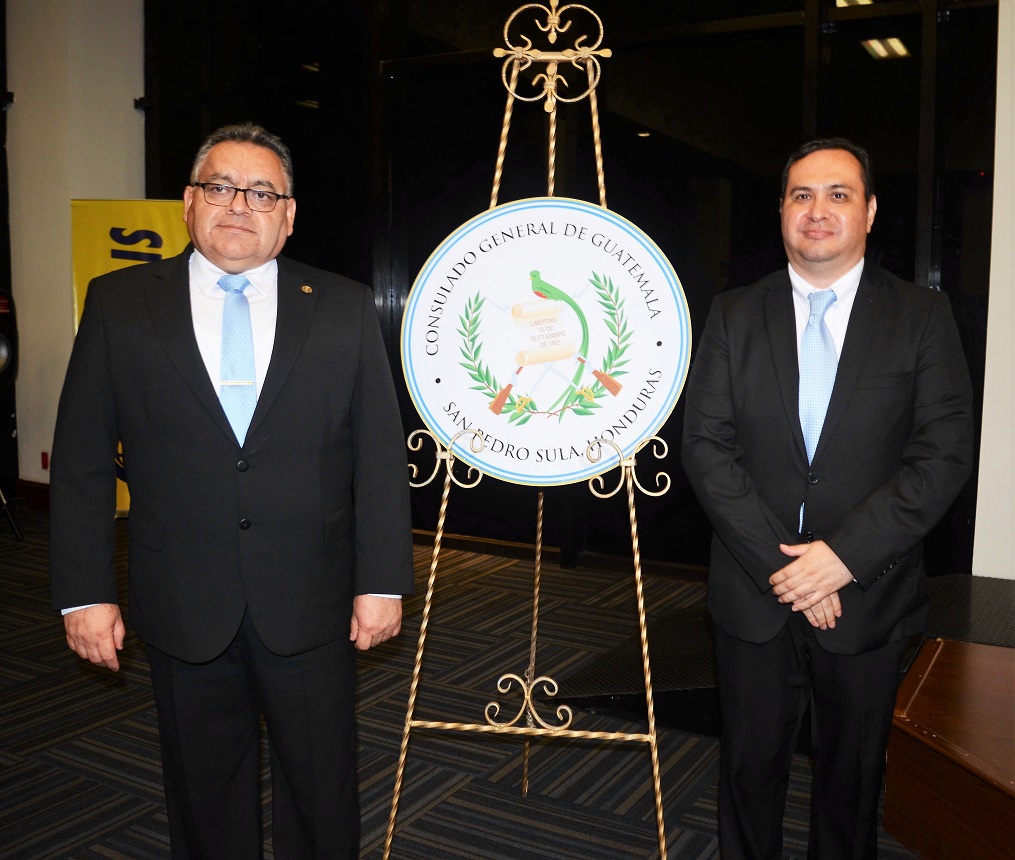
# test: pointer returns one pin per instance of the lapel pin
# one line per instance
(307, 289)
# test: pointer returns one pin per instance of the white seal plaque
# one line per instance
(544, 325)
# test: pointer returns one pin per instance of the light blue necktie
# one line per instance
(238, 391)
(818, 363)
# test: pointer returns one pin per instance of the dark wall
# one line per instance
(298, 69)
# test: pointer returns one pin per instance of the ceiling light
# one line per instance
(885, 49)
(841, 3)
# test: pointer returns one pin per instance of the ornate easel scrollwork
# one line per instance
(660, 449)
(528, 707)
(550, 81)
(584, 57)
(472, 477)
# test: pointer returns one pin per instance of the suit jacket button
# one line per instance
(244, 524)
(242, 466)
(812, 478)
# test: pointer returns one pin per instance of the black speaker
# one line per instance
(8, 339)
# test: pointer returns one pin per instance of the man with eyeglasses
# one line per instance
(269, 528)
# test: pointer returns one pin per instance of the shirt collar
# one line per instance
(204, 275)
(845, 287)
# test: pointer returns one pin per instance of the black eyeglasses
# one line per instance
(223, 195)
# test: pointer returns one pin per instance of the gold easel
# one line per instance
(585, 59)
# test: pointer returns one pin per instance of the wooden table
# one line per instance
(950, 783)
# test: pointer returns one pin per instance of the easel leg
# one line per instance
(646, 666)
(414, 686)
(530, 673)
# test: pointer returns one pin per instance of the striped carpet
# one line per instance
(79, 758)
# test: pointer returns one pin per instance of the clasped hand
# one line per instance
(811, 582)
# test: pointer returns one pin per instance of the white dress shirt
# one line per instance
(837, 316)
(207, 301)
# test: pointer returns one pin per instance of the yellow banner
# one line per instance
(107, 235)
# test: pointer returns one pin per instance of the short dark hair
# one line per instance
(857, 151)
(246, 132)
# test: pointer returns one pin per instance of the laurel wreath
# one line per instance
(522, 410)
(616, 321)
(481, 374)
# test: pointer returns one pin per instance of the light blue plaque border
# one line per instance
(609, 459)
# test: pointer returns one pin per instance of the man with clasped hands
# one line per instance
(816, 580)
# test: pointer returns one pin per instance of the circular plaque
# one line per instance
(545, 325)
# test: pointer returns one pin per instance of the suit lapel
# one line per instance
(863, 320)
(169, 305)
(297, 301)
(780, 322)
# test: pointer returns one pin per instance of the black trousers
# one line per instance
(763, 691)
(209, 730)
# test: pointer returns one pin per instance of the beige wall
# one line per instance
(994, 541)
(75, 68)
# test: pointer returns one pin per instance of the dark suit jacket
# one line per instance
(895, 449)
(312, 510)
